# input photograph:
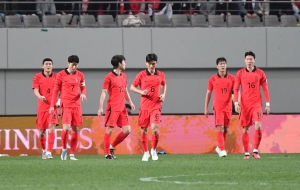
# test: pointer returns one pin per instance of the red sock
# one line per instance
(74, 142)
(224, 135)
(257, 138)
(220, 139)
(106, 143)
(43, 142)
(154, 141)
(121, 136)
(50, 141)
(64, 139)
(144, 139)
(246, 142)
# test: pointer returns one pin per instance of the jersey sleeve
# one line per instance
(82, 84)
(264, 84)
(210, 84)
(137, 81)
(163, 81)
(57, 87)
(106, 83)
(237, 83)
(35, 82)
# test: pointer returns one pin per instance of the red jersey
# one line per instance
(152, 83)
(45, 85)
(222, 88)
(69, 86)
(116, 86)
(251, 82)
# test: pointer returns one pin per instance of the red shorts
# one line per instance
(72, 115)
(43, 119)
(116, 118)
(147, 117)
(249, 115)
(222, 118)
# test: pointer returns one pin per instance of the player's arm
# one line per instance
(102, 98)
(237, 95)
(207, 99)
(164, 91)
(127, 97)
(54, 99)
(264, 84)
(137, 82)
(38, 95)
(82, 89)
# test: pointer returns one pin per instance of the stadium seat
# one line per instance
(88, 21)
(235, 21)
(288, 20)
(120, 19)
(179, 20)
(1, 23)
(162, 21)
(13, 22)
(271, 20)
(51, 21)
(32, 21)
(216, 21)
(198, 21)
(106, 21)
(65, 21)
(252, 22)
(147, 19)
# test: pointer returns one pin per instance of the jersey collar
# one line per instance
(66, 70)
(113, 72)
(46, 75)
(220, 75)
(252, 70)
(148, 73)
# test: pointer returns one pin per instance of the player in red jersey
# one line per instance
(150, 81)
(70, 82)
(43, 85)
(250, 79)
(115, 84)
(222, 84)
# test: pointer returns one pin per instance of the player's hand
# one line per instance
(51, 110)
(267, 109)
(162, 97)
(237, 108)
(132, 107)
(83, 97)
(144, 92)
(42, 98)
(206, 113)
(254, 15)
(100, 112)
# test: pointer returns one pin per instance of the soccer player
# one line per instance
(70, 82)
(150, 81)
(250, 107)
(43, 85)
(115, 84)
(222, 84)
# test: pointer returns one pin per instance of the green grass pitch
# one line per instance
(206, 171)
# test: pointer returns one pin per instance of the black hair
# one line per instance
(221, 59)
(128, 106)
(116, 59)
(151, 57)
(73, 59)
(47, 59)
(250, 53)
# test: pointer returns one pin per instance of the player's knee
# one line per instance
(220, 128)
(258, 125)
(126, 130)
(42, 133)
(246, 130)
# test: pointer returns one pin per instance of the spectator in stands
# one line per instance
(296, 6)
(2, 11)
(207, 8)
(107, 8)
(66, 8)
(166, 10)
(249, 8)
(264, 7)
(190, 7)
(228, 9)
(283, 8)
(45, 7)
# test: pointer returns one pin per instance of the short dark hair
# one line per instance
(151, 57)
(73, 59)
(47, 59)
(221, 59)
(116, 59)
(250, 53)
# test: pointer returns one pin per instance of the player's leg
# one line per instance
(124, 123)
(144, 122)
(155, 116)
(245, 139)
(66, 121)
(257, 117)
(42, 125)
(110, 123)
(42, 139)
(219, 123)
(53, 121)
(73, 142)
(245, 120)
